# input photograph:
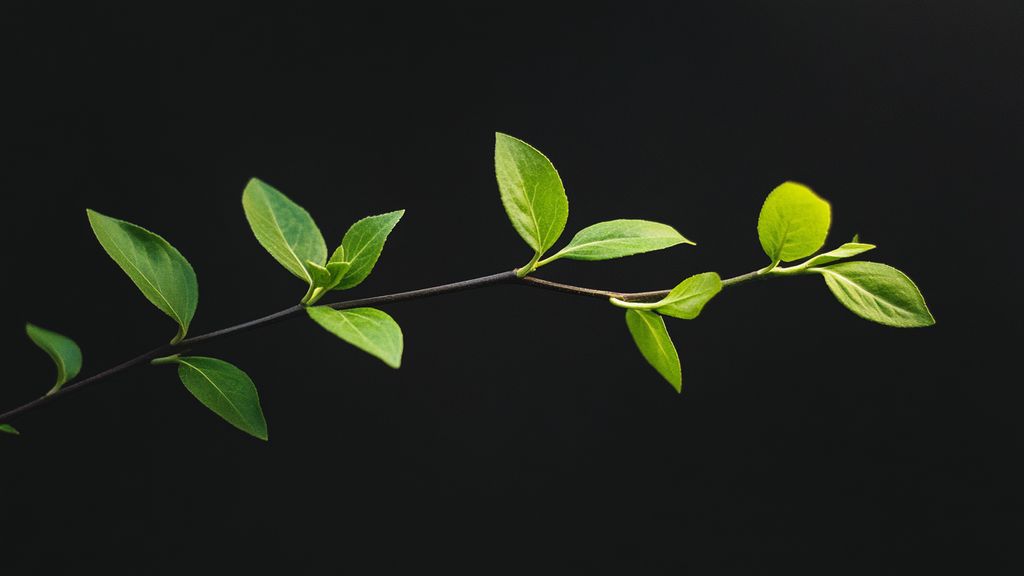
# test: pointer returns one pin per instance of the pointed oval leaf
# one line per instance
(651, 337)
(877, 292)
(688, 298)
(531, 192)
(63, 350)
(225, 389)
(283, 228)
(8, 429)
(368, 329)
(618, 238)
(847, 250)
(793, 222)
(162, 274)
(362, 245)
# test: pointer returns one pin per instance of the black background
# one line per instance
(523, 430)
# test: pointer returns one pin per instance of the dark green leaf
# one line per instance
(63, 350)
(162, 274)
(224, 389)
(284, 228)
(8, 429)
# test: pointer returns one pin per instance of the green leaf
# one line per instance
(284, 229)
(63, 350)
(8, 429)
(845, 251)
(877, 292)
(688, 298)
(162, 274)
(368, 329)
(226, 390)
(531, 191)
(618, 238)
(362, 245)
(651, 337)
(793, 222)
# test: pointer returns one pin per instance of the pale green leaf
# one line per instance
(618, 238)
(651, 337)
(688, 298)
(321, 275)
(284, 229)
(338, 271)
(368, 329)
(362, 245)
(877, 292)
(63, 350)
(847, 250)
(793, 222)
(531, 192)
(8, 429)
(224, 389)
(162, 274)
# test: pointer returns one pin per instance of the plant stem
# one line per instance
(508, 277)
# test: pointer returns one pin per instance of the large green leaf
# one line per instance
(162, 274)
(618, 238)
(63, 350)
(368, 329)
(793, 222)
(284, 228)
(877, 292)
(8, 429)
(362, 245)
(531, 191)
(688, 298)
(226, 390)
(651, 337)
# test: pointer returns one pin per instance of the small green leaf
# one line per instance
(845, 251)
(338, 271)
(321, 275)
(226, 390)
(362, 245)
(688, 298)
(793, 222)
(63, 350)
(368, 329)
(8, 429)
(284, 229)
(618, 238)
(651, 337)
(877, 292)
(162, 274)
(531, 192)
